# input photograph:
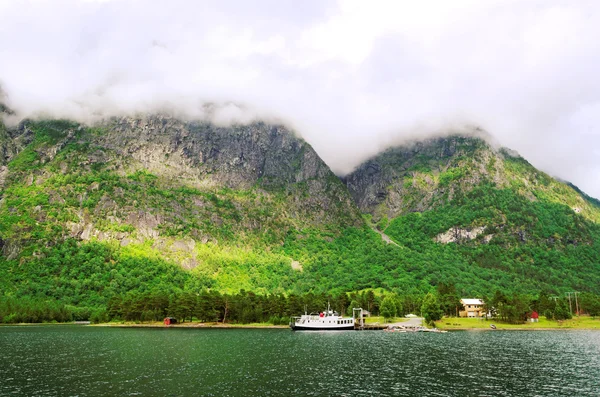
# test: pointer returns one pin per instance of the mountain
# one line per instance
(154, 204)
(421, 176)
(484, 208)
(217, 202)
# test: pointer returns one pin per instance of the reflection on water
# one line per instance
(92, 361)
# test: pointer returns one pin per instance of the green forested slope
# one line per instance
(156, 207)
(471, 208)
(95, 187)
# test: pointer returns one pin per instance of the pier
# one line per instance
(361, 325)
(369, 327)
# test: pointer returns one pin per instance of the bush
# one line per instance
(99, 315)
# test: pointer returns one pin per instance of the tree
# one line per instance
(431, 309)
(449, 300)
(590, 304)
(388, 308)
(353, 304)
(561, 311)
(543, 303)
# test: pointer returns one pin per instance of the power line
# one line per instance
(576, 302)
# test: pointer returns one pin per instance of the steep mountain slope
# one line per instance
(457, 197)
(155, 206)
(423, 175)
(217, 201)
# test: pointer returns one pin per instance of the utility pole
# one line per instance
(570, 306)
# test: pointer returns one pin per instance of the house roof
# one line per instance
(471, 301)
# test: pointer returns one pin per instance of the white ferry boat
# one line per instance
(324, 321)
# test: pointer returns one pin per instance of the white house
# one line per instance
(473, 308)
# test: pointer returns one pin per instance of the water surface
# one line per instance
(96, 361)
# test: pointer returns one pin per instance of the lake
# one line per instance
(99, 361)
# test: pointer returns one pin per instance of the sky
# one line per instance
(351, 77)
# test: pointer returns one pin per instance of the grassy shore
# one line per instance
(368, 320)
(187, 325)
(154, 324)
(195, 324)
(582, 322)
(380, 320)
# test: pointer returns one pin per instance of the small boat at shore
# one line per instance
(327, 320)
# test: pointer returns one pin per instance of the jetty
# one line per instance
(361, 325)
(412, 324)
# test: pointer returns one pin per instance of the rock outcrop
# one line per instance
(157, 177)
(421, 176)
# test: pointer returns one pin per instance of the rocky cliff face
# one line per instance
(165, 181)
(424, 175)
(237, 157)
(377, 186)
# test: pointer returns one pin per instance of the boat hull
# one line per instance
(346, 327)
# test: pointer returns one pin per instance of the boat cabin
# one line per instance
(326, 320)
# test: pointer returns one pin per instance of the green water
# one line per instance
(93, 361)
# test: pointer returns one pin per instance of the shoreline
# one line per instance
(584, 323)
(467, 324)
(522, 329)
(156, 325)
(192, 325)
(211, 325)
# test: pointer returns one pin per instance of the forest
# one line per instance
(86, 234)
(277, 309)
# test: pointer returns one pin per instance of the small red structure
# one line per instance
(170, 320)
(535, 317)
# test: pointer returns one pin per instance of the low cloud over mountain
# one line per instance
(351, 77)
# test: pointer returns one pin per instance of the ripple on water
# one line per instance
(90, 361)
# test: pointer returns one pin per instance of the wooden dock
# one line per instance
(369, 327)
(361, 325)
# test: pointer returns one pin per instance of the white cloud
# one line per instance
(349, 75)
